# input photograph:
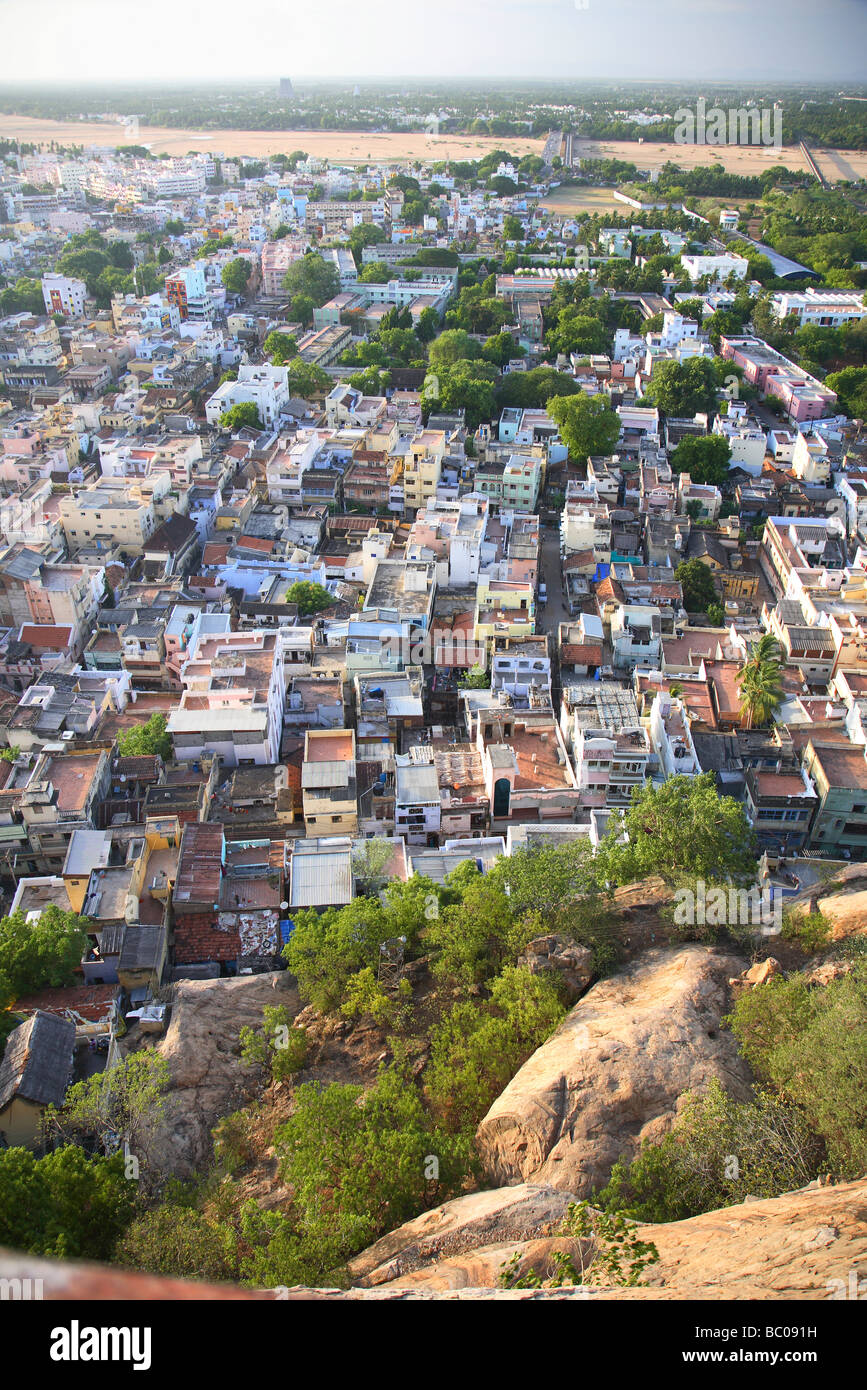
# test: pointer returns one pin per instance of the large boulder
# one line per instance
(512, 1215)
(614, 1072)
(207, 1076)
(562, 959)
(809, 1244)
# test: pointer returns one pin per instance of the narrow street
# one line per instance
(555, 611)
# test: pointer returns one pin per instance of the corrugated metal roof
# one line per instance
(418, 783)
(330, 774)
(321, 880)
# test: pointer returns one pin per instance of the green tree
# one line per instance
(681, 829)
(760, 681)
(587, 424)
(313, 277)
(476, 1049)
(36, 954)
(236, 275)
(477, 678)
(366, 234)
(576, 332)
(244, 415)
(124, 1103)
(64, 1205)
(25, 296)
(810, 1045)
(691, 1170)
(428, 325)
(302, 308)
(147, 740)
(305, 379)
(696, 580)
(179, 1242)
(535, 388)
(704, 457)
(310, 598)
(683, 389)
(512, 229)
(454, 345)
(359, 1162)
(280, 347)
(276, 1045)
(375, 273)
(850, 385)
(501, 349)
(370, 860)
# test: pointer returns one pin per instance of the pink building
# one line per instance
(803, 397)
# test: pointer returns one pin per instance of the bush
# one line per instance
(811, 930)
(810, 1045)
(360, 1163)
(477, 1049)
(720, 1151)
(180, 1243)
(64, 1205)
(278, 1046)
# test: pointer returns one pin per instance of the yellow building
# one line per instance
(504, 608)
(423, 464)
(328, 782)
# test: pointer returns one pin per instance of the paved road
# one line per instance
(555, 611)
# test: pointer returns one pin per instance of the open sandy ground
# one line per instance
(566, 201)
(389, 147)
(738, 159)
(349, 146)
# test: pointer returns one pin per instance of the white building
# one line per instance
(417, 805)
(636, 636)
(747, 442)
(265, 386)
(64, 295)
(233, 698)
(825, 308)
(717, 267)
(670, 737)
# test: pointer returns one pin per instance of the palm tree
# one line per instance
(760, 681)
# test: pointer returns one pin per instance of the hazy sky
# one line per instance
(82, 40)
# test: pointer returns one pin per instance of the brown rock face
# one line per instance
(557, 955)
(508, 1215)
(613, 1073)
(208, 1078)
(809, 1244)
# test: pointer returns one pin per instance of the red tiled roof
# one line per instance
(46, 635)
(215, 553)
(581, 654)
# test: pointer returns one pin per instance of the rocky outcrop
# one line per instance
(207, 1077)
(562, 959)
(510, 1214)
(803, 1245)
(613, 1073)
(758, 974)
